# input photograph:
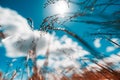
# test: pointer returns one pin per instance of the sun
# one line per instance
(61, 7)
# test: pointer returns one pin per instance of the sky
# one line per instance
(13, 15)
(32, 9)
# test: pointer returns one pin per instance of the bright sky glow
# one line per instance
(61, 7)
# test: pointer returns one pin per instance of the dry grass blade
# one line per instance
(84, 43)
(2, 35)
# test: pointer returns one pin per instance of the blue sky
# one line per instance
(32, 9)
(35, 10)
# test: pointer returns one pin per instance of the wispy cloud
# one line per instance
(110, 48)
(97, 43)
(112, 59)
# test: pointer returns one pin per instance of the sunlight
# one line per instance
(61, 7)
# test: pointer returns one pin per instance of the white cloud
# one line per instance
(101, 62)
(40, 63)
(12, 23)
(110, 48)
(116, 40)
(113, 58)
(19, 39)
(63, 51)
(94, 67)
(97, 43)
